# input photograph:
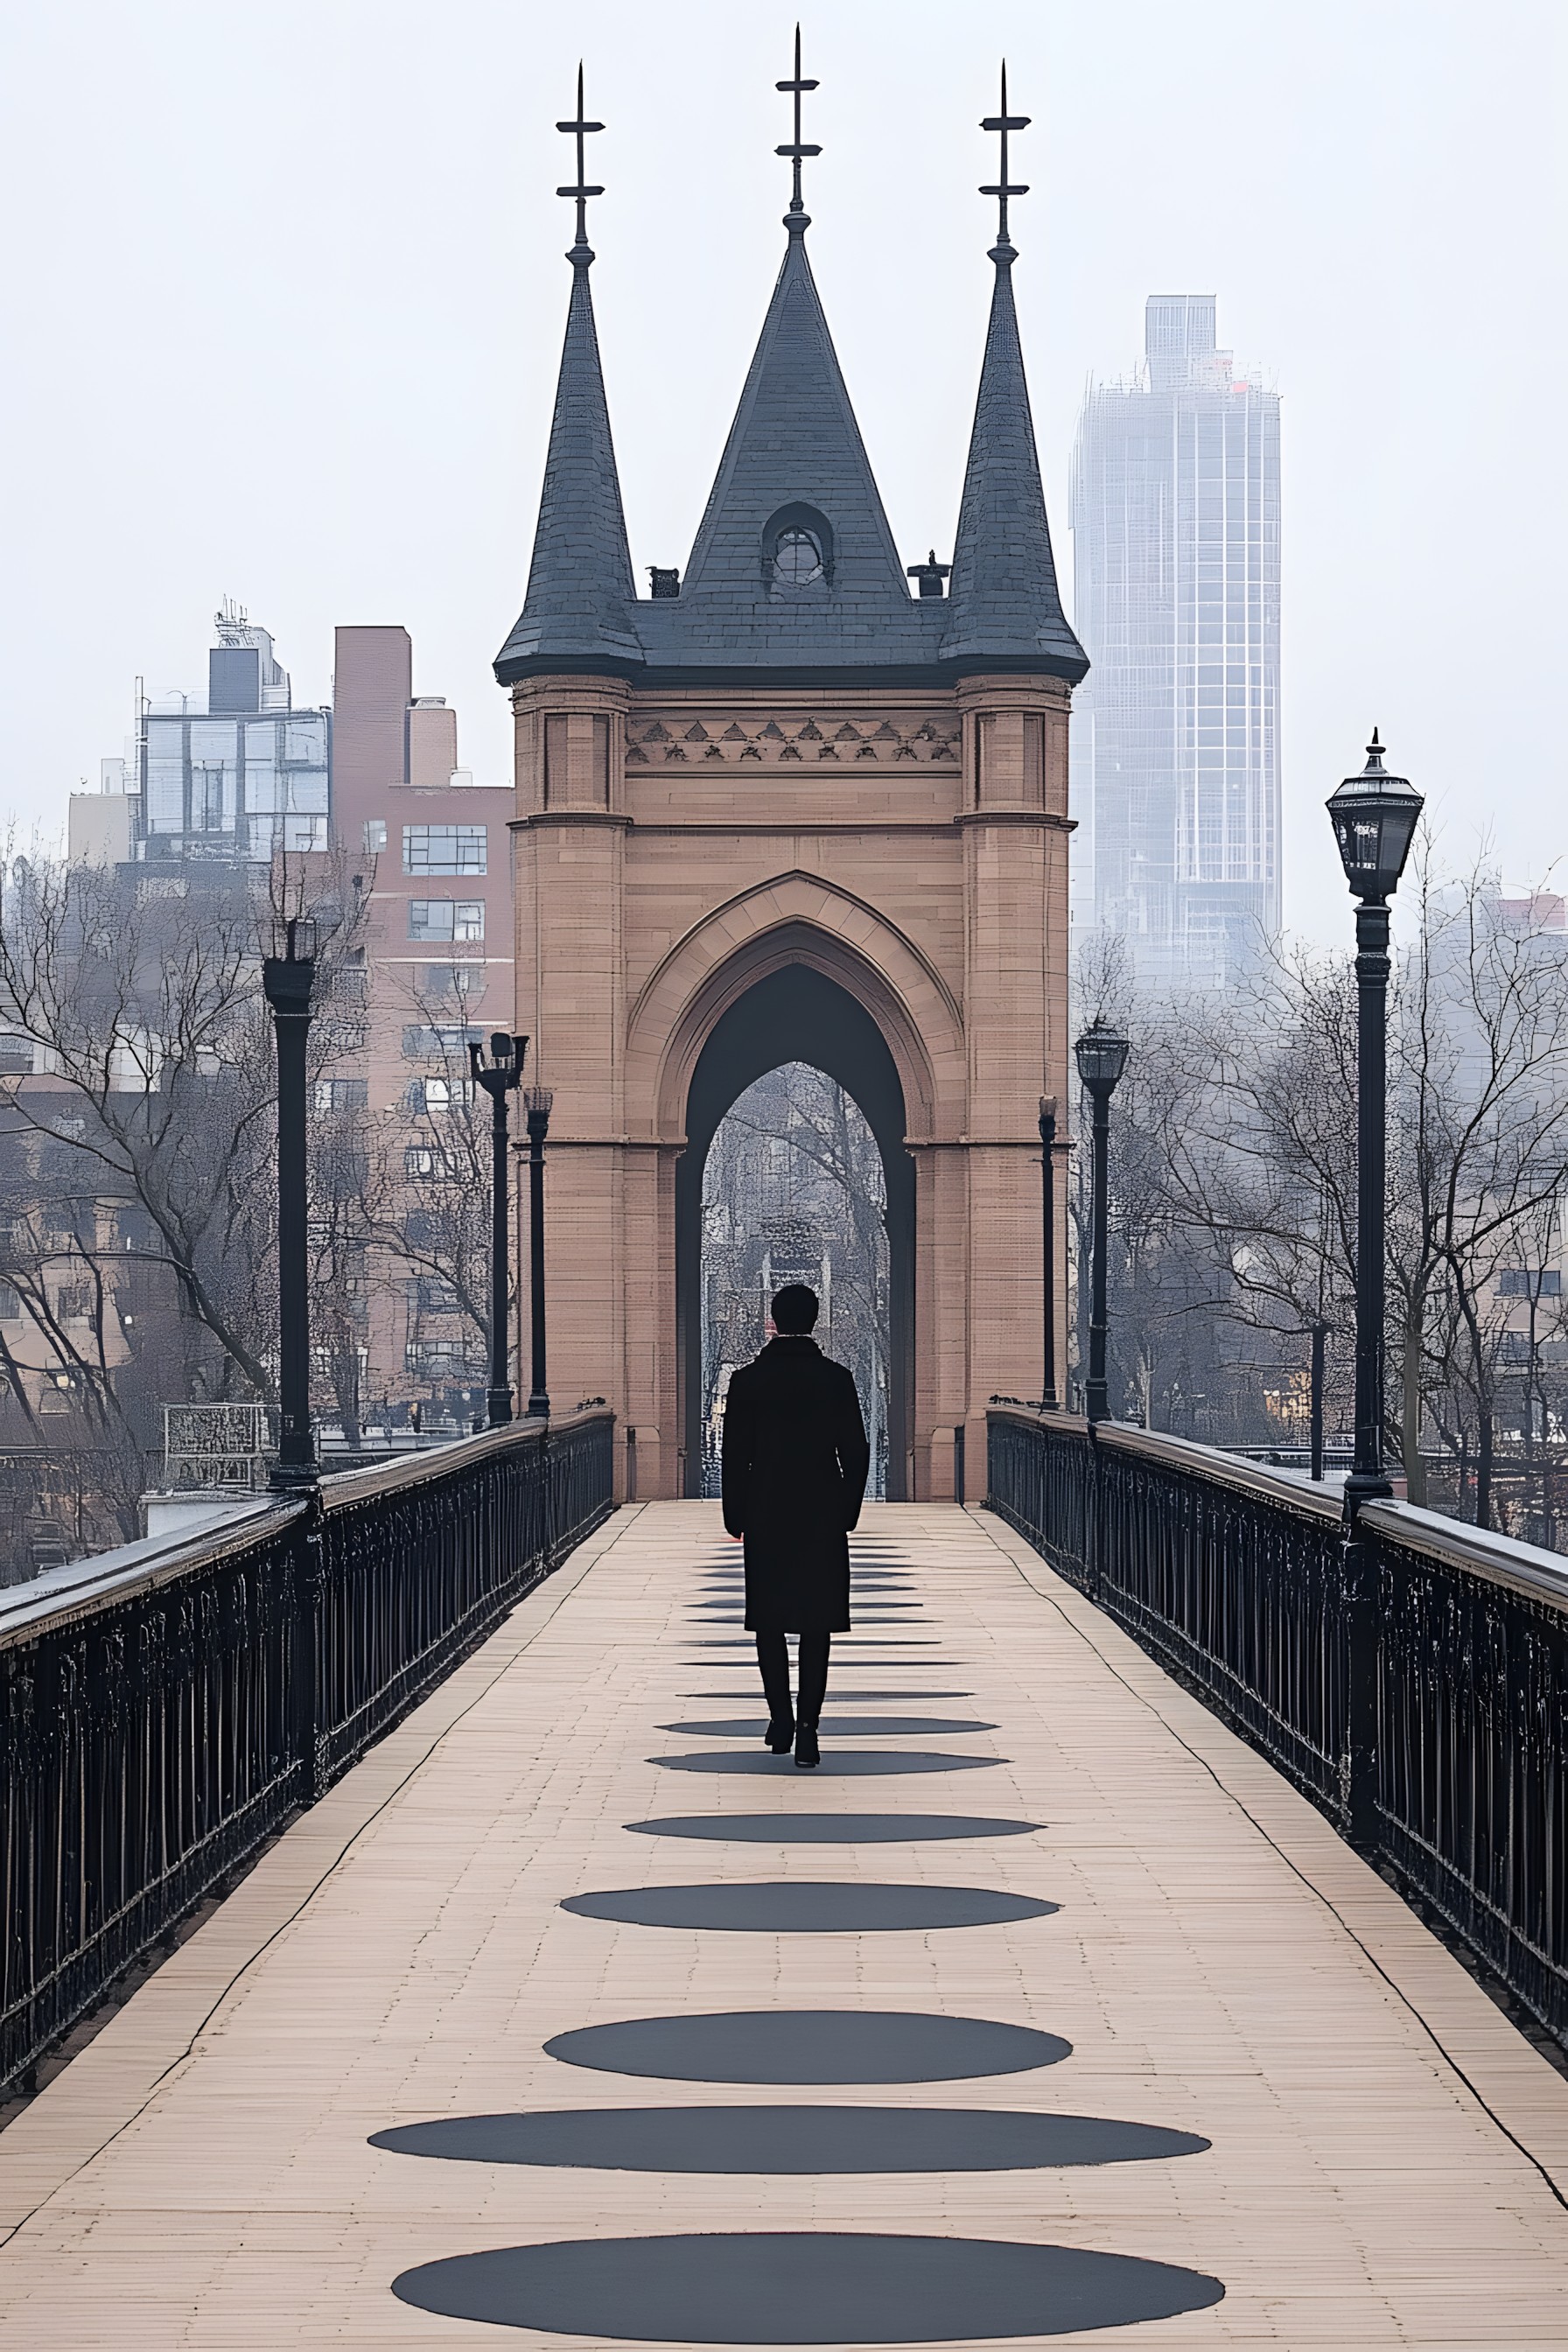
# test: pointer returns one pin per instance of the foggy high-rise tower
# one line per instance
(1176, 746)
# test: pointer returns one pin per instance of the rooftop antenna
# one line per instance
(797, 220)
(1002, 187)
(581, 192)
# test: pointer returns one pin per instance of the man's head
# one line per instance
(793, 1310)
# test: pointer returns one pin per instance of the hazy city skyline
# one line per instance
(1175, 733)
(315, 374)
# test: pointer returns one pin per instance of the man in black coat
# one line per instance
(795, 1463)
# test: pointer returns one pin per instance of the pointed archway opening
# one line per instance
(797, 1014)
(794, 1191)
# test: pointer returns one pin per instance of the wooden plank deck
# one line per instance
(1388, 2158)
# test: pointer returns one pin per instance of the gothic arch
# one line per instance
(795, 919)
(791, 1010)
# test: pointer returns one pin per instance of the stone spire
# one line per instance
(794, 454)
(794, 442)
(578, 611)
(1004, 607)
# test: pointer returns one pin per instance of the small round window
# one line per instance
(797, 556)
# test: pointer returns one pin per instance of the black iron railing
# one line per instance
(1234, 1575)
(165, 1708)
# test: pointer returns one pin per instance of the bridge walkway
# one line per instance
(1136, 2049)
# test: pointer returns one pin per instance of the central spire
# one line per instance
(797, 220)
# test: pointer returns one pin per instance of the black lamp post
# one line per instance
(1374, 818)
(1049, 1233)
(1319, 1342)
(536, 1102)
(500, 1079)
(288, 979)
(1101, 1054)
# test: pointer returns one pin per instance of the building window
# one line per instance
(423, 1041)
(10, 1303)
(444, 849)
(454, 979)
(1530, 1282)
(797, 558)
(797, 548)
(446, 919)
(215, 775)
(374, 834)
(304, 832)
(435, 1356)
(423, 1161)
(163, 776)
(342, 1093)
(16, 1056)
(436, 1097)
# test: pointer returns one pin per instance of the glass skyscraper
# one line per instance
(246, 777)
(1175, 732)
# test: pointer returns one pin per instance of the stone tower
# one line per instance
(781, 809)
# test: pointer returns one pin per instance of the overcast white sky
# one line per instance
(285, 299)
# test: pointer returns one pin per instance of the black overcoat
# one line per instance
(795, 1463)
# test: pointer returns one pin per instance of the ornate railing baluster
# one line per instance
(165, 1710)
(1456, 1664)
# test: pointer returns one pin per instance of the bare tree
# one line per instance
(1249, 1126)
(428, 1192)
(137, 1165)
(1479, 1133)
(157, 1074)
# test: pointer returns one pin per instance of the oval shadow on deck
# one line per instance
(838, 1763)
(809, 2046)
(775, 2140)
(832, 1829)
(803, 1907)
(804, 2287)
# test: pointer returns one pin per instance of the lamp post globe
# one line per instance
(1374, 817)
(1102, 1056)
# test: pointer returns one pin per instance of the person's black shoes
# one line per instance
(780, 1736)
(807, 1754)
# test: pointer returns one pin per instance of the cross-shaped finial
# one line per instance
(581, 192)
(1002, 187)
(795, 218)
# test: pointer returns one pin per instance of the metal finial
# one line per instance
(796, 218)
(581, 192)
(1002, 188)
